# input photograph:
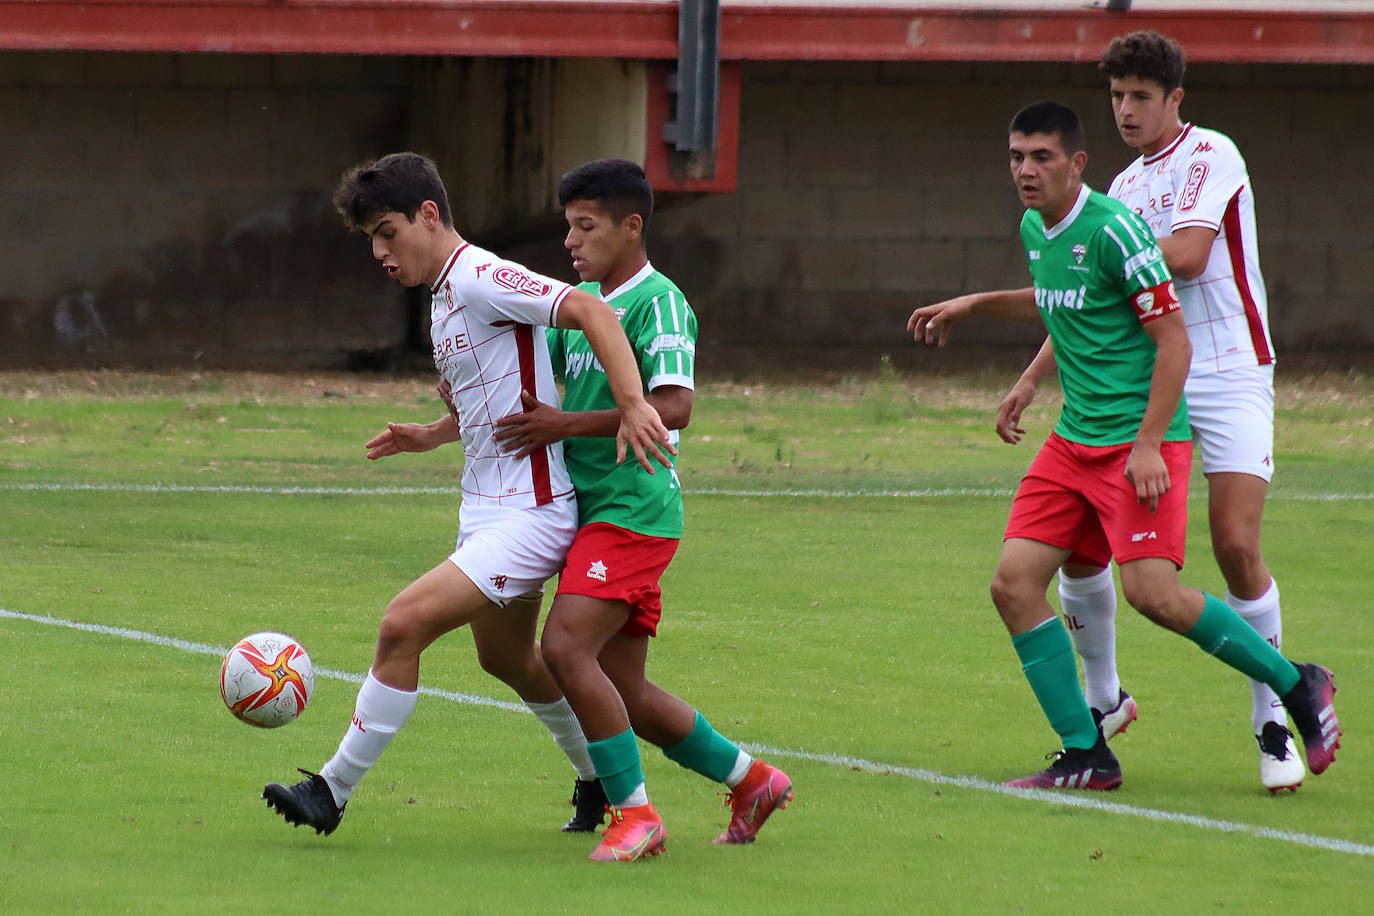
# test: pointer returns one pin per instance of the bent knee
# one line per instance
(1009, 591)
(559, 652)
(402, 624)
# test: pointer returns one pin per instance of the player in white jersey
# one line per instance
(1191, 185)
(518, 514)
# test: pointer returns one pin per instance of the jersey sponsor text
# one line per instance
(513, 279)
(1051, 299)
(671, 342)
(581, 362)
(1197, 174)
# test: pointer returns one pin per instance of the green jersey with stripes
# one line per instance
(663, 335)
(1099, 278)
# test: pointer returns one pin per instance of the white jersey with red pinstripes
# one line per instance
(486, 322)
(1200, 180)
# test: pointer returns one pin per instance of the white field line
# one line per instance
(1069, 799)
(455, 491)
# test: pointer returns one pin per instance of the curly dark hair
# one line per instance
(1147, 56)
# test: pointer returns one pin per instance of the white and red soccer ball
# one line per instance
(267, 679)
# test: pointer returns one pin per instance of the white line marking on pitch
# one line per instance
(455, 491)
(1092, 803)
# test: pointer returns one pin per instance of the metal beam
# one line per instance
(697, 80)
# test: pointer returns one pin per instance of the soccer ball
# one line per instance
(266, 679)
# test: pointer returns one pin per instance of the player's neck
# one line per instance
(624, 269)
(1162, 141)
(1062, 208)
(446, 242)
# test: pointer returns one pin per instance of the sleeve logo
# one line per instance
(516, 281)
(678, 342)
(1197, 174)
(1152, 303)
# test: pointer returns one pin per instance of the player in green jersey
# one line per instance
(1112, 479)
(596, 639)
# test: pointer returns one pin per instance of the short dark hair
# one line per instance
(619, 186)
(398, 183)
(1050, 118)
(1145, 55)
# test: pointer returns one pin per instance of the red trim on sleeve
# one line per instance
(539, 458)
(1235, 247)
(557, 301)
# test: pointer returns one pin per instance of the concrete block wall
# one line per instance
(161, 209)
(164, 208)
(866, 189)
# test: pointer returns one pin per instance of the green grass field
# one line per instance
(828, 609)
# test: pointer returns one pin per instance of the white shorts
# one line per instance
(1232, 414)
(511, 552)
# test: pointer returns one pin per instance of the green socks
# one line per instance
(705, 751)
(1222, 632)
(1046, 654)
(617, 765)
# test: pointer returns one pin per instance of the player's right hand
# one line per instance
(930, 324)
(400, 437)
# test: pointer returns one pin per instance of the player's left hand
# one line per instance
(537, 426)
(1147, 472)
(1009, 411)
(642, 429)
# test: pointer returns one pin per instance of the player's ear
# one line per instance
(429, 214)
(633, 225)
(1174, 99)
(1080, 161)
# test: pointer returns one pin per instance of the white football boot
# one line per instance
(1280, 765)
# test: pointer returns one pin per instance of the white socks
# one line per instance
(562, 723)
(1089, 607)
(1263, 614)
(640, 796)
(379, 713)
(740, 770)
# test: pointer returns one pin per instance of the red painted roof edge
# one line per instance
(648, 29)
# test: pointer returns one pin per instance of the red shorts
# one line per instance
(615, 564)
(1076, 497)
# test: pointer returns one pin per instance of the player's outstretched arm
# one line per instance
(1023, 393)
(412, 437)
(931, 323)
(641, 428)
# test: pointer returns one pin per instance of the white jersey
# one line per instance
(486, 322)
(1200, 180)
